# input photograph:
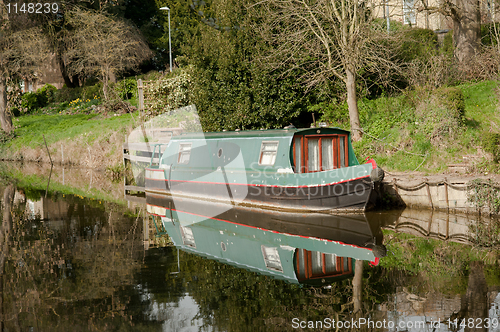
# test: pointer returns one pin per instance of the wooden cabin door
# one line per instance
(315, 153)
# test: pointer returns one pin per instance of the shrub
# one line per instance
(14, 97)
(32, 101)
(46, 94)
(484, 194)
(419, 44)
(488, 33)
(453, 100)
(442, 113)
(5, 137)
(29, 102)
(336, 113)
(92, 91)
(447, 47)
(126, 88)
(490, 142)
(67, 94)
(168, 94)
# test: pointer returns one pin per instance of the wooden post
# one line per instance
(140, 89)
(47, 149)
(447, 226)
(145, 231)
(446, 195)
(430, 223)
(428, 192)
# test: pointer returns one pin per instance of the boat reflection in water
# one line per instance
(310, 248)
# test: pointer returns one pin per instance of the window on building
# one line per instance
(409, 14)
(184, 153)
(268, 151)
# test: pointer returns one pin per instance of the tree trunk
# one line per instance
(475, 301)
(5, 120)
(476, 297)
(64, 72)
(357, 286)
(105, 89)
(466, 29)
(75, 80)
(352, 103)
(5, 231)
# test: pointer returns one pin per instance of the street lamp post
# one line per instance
(169, 39)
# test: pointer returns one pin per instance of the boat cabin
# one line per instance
(294, 150)
(322, 150)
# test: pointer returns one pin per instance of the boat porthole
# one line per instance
(219, 153)
(223, 246)
(318, 131)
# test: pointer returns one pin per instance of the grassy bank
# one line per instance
(423, 129)
(439, 265)
(428, 130)
(91, 140)
(81, 182)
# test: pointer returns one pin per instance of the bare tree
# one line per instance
(103, 46)
(324, 38)
(22, 52)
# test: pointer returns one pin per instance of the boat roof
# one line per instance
(259, 133)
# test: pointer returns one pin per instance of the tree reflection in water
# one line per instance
(71, 272)
(80, 265)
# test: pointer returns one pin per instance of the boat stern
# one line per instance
(156, 179)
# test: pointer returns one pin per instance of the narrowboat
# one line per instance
(309, 248)
(298, 169)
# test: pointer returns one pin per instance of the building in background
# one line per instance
(413, 13)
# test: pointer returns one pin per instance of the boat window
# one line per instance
(326, 154)
(301, 264)
(187, 236)
(313, 154)
(298, 155)
(272, 258)
(268, 153)
(184, 153)
(331, 263)
(315, 264)
(342, 151)
(321, 153)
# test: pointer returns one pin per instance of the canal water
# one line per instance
(76, 254)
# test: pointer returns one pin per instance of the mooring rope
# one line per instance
(424, 183)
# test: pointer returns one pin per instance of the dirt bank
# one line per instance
(99, 155)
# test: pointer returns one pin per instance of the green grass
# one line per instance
(30, 128)
(445, 265)
(405, 128)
